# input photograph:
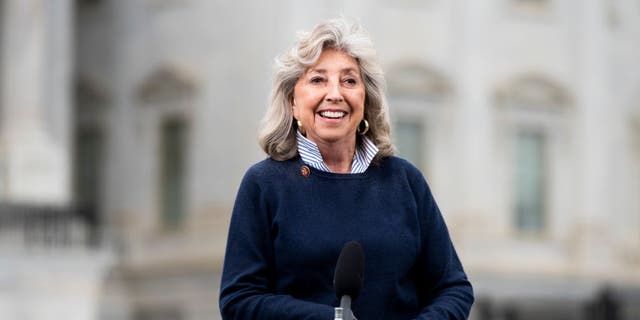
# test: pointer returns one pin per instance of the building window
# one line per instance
(173, 154)
(530, 180)
(409, 139)
(419, 95)
(87, 166)
(534, 128)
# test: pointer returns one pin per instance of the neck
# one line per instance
(338, 158)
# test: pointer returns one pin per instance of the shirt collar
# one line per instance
(310, 154)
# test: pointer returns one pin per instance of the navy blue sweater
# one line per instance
(287, 231)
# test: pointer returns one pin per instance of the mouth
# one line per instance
(332, 114)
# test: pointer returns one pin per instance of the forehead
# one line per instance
(335, 60)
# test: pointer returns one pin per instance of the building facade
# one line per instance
(524, 115)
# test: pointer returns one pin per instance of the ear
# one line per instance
(293, 108)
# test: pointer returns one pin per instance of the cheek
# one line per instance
(300, 112)
(359, 100)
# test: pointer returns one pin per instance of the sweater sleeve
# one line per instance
(443, 284)
(247, 290)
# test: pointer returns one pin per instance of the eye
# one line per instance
(316, 80)
(350, 81)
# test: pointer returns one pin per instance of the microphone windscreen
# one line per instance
(348, 277)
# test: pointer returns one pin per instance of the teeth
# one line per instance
(332, 114)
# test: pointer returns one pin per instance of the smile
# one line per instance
(332, 114)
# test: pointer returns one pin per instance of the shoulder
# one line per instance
(403, 171)
(395, 161)
(270, 169)
(397, 165)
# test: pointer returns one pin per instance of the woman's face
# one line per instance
(329, 99)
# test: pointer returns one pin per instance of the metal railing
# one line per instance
(607, 303)
(28, 226)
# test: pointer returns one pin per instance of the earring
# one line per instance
(304, 133)
(366, 127)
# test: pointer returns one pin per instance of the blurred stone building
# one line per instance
(126, 126)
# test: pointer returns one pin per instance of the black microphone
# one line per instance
(348, 278)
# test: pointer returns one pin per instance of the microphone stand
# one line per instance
(344, 311)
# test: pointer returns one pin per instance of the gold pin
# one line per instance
(304, 170)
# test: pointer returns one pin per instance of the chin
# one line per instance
(333, 135)
(334, 138)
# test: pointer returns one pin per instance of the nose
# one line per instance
(334, 93)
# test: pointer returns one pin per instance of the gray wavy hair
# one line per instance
(278, 134)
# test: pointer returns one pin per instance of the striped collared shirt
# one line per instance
(310, 154)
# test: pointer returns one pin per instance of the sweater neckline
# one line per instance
(332, 175)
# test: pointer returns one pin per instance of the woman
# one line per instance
(331, 177)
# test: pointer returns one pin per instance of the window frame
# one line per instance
(167, 221)
(542, 176)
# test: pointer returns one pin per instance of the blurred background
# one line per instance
(126, 127)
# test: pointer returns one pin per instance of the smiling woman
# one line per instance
(331, 178)
(328, 104)
(278, 135)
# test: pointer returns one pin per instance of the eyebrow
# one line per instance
(324, 71)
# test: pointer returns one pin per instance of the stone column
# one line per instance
(473, 132)
(34, 127)
(593, 78)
